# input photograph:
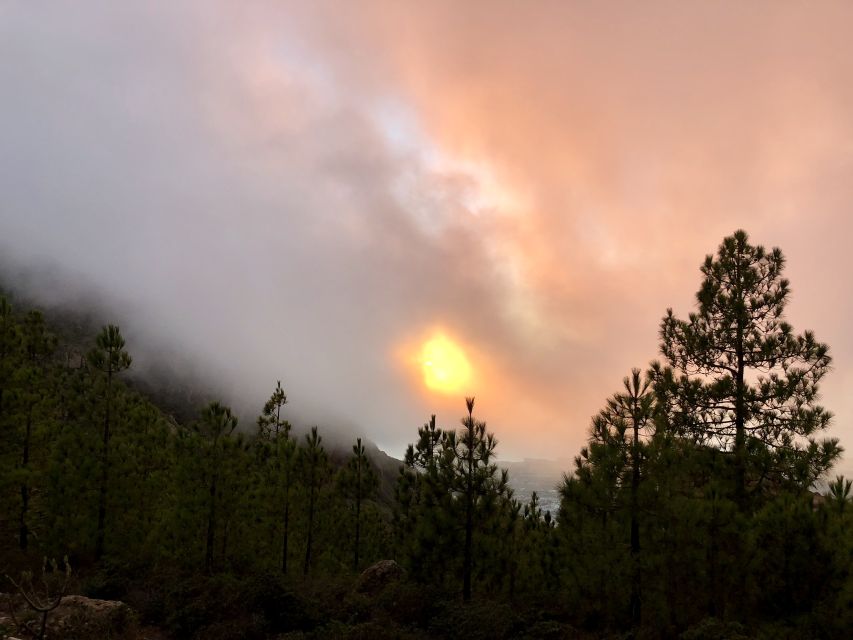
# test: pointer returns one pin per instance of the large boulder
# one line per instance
(77, 617)
(85, 616)
(377, 576)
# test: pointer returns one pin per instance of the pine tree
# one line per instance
(73, 464)
(747, 380)
(142, 464)
(285, 449)
(215, 427)
(109, 357)
(273, 429)
(511, 537)
(233, 494)
(8, 345)
(425, 508)
(38, 345)
(270, 424)
(839, 495)
(313, 460)
(425, 453)
(630, 411)
(598, 496)
(475, 479)
(358, 482)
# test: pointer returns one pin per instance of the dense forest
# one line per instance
(702, 506)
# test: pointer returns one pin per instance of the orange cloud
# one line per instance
(542, 179)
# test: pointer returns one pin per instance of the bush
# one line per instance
(716, 629)
(476, 621)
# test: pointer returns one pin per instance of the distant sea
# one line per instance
(541, 476)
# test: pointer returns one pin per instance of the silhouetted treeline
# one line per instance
(694, 510)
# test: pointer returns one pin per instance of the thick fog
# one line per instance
(306, 192)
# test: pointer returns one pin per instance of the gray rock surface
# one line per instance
(377, 576)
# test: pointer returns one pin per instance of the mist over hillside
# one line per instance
(181, 384)
(179, 381)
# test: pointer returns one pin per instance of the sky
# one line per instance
(312, 191)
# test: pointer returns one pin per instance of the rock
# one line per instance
(377, 576)
(86, 615)
(80, 617)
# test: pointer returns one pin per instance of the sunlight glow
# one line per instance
(446, 369)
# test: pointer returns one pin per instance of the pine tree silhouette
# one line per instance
(746, 378)
(109, 357)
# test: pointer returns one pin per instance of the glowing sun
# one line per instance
(445, 367)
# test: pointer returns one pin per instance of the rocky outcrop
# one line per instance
(77, 617)
(377, 576)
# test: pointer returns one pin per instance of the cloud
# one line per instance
(294, 191)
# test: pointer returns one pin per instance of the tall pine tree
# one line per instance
(38, 346)
(748, 380)
(215, 428)
(313, 461)
(358, 482)
(109, 357)
(476, 478)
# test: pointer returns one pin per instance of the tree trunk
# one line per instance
(102, 498)
(25, 488)
(43, 625)
(224, 551)
(513, 567)
(307, 564)
(740, 404)
(635, 528)
(740, 422)
(713, 609)
(469, 515)
(211, 527)
(3, 331)
(357, 515)
(286, 528)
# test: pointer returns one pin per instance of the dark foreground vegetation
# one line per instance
(698, 510)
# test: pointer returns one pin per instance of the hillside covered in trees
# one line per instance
(702, 507)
